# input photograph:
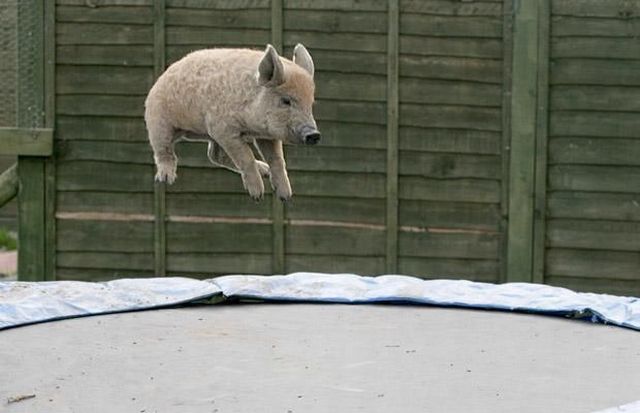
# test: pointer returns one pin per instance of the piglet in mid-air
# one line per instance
(240, 101)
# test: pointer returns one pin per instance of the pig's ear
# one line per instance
(302, 58)
(270, 69)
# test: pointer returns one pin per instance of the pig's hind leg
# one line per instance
(162, 142)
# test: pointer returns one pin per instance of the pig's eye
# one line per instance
(285, 101)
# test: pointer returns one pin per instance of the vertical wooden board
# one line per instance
(507, 83)
(49, 122)
(160, 203)
(393, 109)
(523, 138)
(31, 224)
(277, 207)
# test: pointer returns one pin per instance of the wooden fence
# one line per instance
(485, 140)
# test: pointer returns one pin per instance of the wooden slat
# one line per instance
(451, 46)
(337, 5)
(347, 21)
(595, 72)
(114, 14)
(449, 245)
(102, 201)
(50, 90)
(102, 33)
(416, 90)
(450, 26)
(332, 264)
(595, 151)
(450, 268)
(205, 265)
(104, 176)
(617, 287)
(23, 141)
(457, 117)
(105, 55)
(104, 3)
(101, 105)
(459, 215)
(232, 19)
(594, 235)
(449, 165)
(351, 185)
(596, 47)
(8, 185)
(103, 80)
(362, 42)
(334, 241)
(452, 68)
(393, 153)
(595, 124)
(455, 189)
(595, 8)
(608, 265)
(350, 87)
(525, 61)
(220, 4)
(594, 205)
(361, 211)
(211, 36)
(452, 7)
(186, 237)
(596, 98)
(594, 178)
(106, 260)
(587, 26)
(98, 274)
(101, 128)
(450, 140)
(104, 236)
(159, 188)
(351, 135)
(216, 204)
(277, 207)
(357, 112)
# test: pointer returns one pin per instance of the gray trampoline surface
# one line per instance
(318, 358)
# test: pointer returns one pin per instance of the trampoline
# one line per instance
(316, 354)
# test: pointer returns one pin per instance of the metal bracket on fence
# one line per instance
(26, 141)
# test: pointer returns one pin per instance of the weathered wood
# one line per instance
(31, 215)
(23, 141)
(105, 105)
(8, 184)
(450, 268)
(102, 201)
(596, 98)
(452, 68)
(360, 112)
(525, 60)
(220, 4)
(595, 151)
(596, 47)
(455, 117)
(352, 135)
(611, 265)
(450, 140)
(101, 128)
(594, 124)
(102, 33)
(216, 204)
(447, 165)
(455, 189)
(393, 153)
(277, 207)
(596, 8)
(450, 26)
(594, 205)
(332, 264)
(594, 235)
(351, 185)
(212, 36)
(594, 178)
(104, 176)
(449, 245)
(49, 122)
(362, 42)
(104, 236)
(205, 265)
(113, 14)
(352, 61)
(586, 26)
(617, 287)
(106, 260)
(103, 80)
(351, 87)
(334, 241)
(416, 90)
(218, 237)
(451, 46)
(458, 215)
(360, 211)
(99, 274)
(329, 21)
(232, 19)
(585, 71)
(102, 3)
(105, 55)
(452, 7)
(337, 5)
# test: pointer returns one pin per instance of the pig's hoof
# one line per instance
(284, 193)
(165, 174)
(254, 185)
(263, 169)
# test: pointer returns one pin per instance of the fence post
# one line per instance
(528, 136)
(159, 189)
(393, 41)
(277, 207)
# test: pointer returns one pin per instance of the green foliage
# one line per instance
(7, 240)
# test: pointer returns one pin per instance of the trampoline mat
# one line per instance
(318, 358)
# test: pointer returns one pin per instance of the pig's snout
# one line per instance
(310, 135)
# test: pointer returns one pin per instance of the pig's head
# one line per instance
(286, 97)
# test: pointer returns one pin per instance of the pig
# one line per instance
(240, 101)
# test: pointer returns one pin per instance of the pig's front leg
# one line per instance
(274, 155)
(242, 156)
